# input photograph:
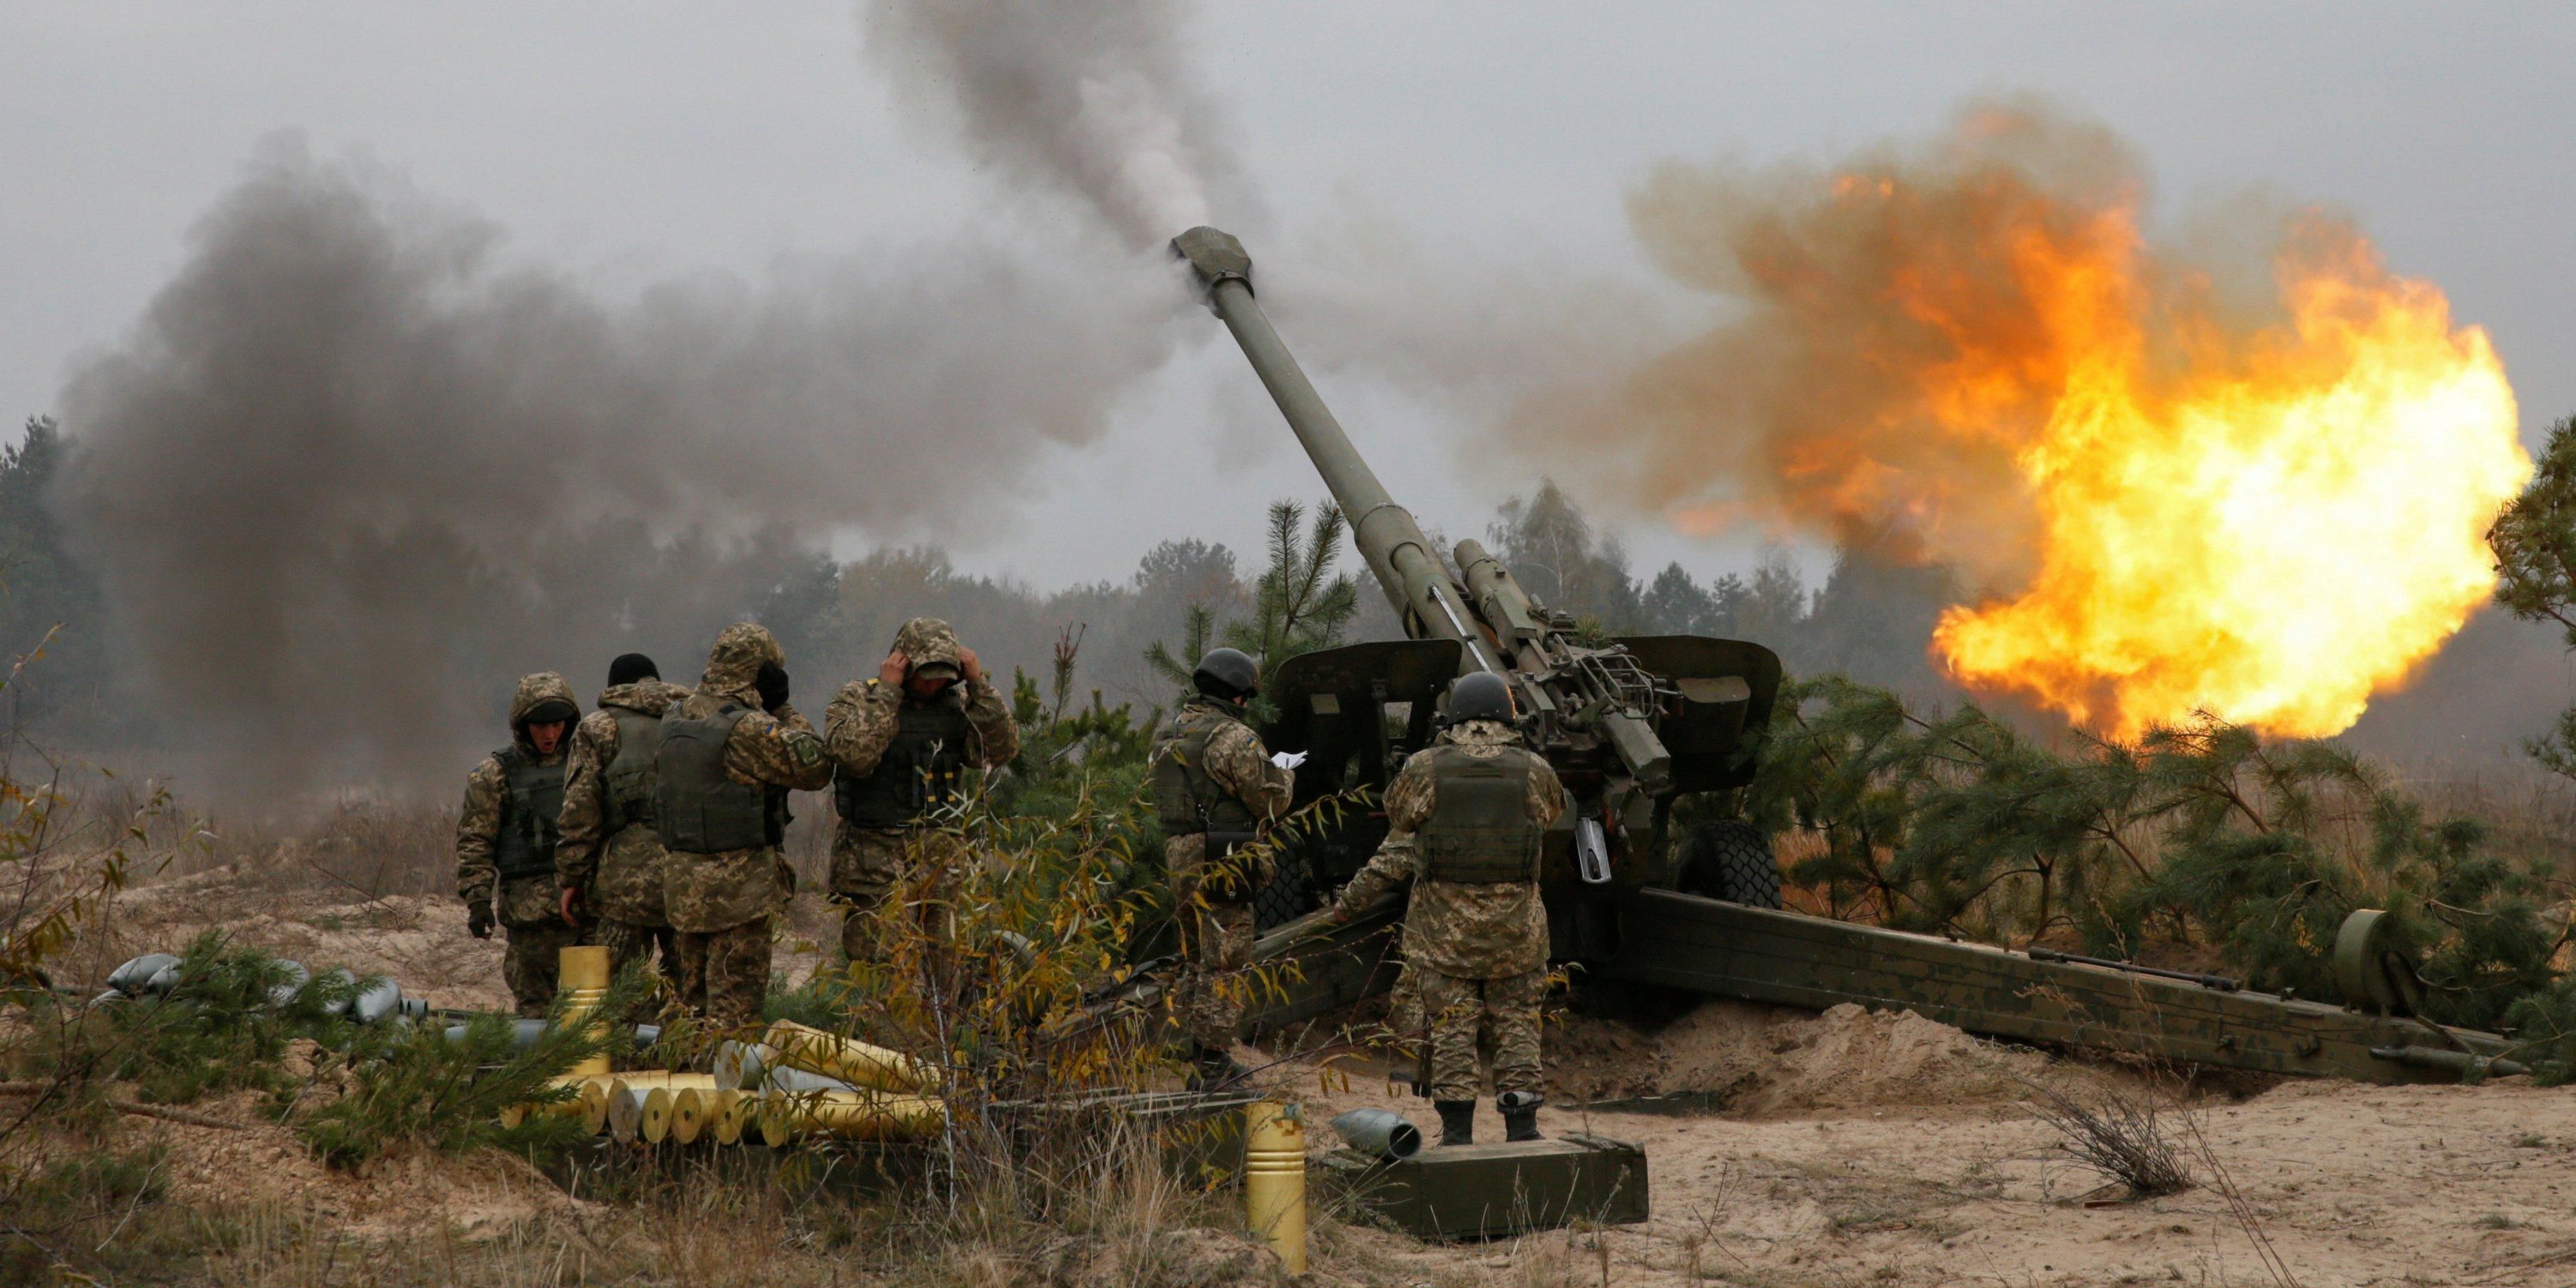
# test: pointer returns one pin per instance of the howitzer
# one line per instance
(1634, 725)
(1629, 725)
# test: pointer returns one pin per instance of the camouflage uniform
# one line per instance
(525, 904)
(858, 727)
(1474, 954)
(619, 874)
(1207, 999)
(721, 904)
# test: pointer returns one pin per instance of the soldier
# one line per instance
(609, 859)
(1465, 820)
(730, 753)
(901, 745)
(1215, 787)
(505, 841)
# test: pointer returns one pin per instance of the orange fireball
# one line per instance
(2255, 485)
(2274, 532)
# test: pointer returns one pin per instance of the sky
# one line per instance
(634, 142)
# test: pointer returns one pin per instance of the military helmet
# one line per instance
(1481, 696)
(1227, 673)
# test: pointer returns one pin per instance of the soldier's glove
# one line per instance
(772, 683)
(478, 919)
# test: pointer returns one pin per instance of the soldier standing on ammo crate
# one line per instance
(505, 841)
(902, 744)
(609, 858)
(730, 753)
(1215, 787)
(1465, 819)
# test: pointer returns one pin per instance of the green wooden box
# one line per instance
(1485, 1191)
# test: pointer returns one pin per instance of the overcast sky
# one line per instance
(635, 141)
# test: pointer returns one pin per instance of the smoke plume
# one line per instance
(355, 470)
(1816, 404)
(2187, 480)
(1093, 101)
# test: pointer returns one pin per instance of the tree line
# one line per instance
(625, 588)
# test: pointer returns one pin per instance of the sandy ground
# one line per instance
(1869, 1149)
(1839, 1149)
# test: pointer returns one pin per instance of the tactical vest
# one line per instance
(1479, 830)
(1186, 799)
(630, 779)
(923, 768)
(697, 808)
(531, 801)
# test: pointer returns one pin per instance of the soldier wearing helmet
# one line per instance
(903, 746)
(727, 757)
(505, 841)
(1465, 818)
(1215, 787)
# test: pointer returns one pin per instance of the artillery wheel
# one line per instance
(1728, 859)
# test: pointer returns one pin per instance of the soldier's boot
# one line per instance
(1217, 1069)
(1520, 1115)
(1457, 1121)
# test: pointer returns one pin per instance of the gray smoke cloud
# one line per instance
(356, 468)
(1095, 102)
(1099, 109)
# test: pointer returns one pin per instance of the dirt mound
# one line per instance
(1750, 1059)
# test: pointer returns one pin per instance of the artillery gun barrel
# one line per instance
(1498, 595)
(1432, 604)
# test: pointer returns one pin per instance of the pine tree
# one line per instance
(48, 600)
(2534, 540)
(1300, 604)
(1676, 605)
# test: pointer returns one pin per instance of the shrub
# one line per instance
(2202, 837)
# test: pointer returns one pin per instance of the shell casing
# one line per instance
(588, 1104)
(625, 1111)
(848, 1115)
(698, 1113)
(689, 1112)
(733, 1114)
(1274, 1180)
(739, 1064)
(655, 1126)
(594, 1105)
(632, 1112)
(581, 975)
(848, 1059)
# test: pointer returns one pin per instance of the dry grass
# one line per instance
(2120, 1133)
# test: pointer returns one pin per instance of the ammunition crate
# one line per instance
(1485, 1191)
